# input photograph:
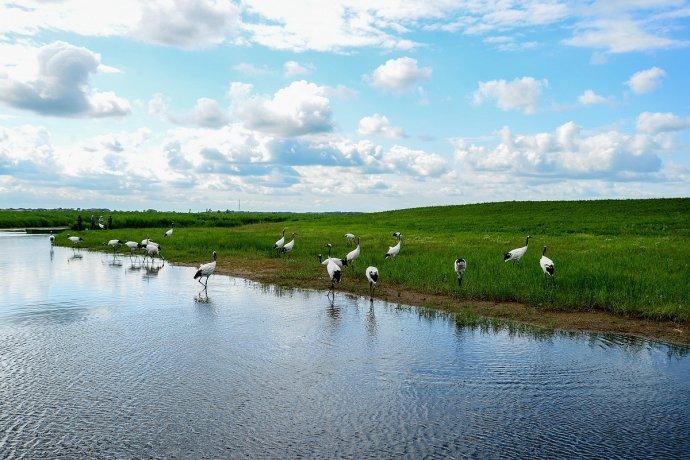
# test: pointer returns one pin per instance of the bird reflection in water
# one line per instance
(370, 318)
(75, 256)
(151, 271)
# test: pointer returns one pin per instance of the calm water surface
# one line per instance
(99, 360)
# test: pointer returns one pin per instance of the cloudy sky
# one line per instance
(341, 104)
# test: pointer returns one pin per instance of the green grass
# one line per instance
(629, 257)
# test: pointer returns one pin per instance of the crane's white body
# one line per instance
(152, 249)
(289, 246)
(146, 242)
(372, 274)
(133, 245)
(206, 270)
(393, 250)
(516, 254)
(75, 240)
(460, 265)
(281, 242)
(335, 260)
(52, 239)
(546, 264)
(334, 272)
(350, 237)
(114, 244)
(354, 254)
(168, 233)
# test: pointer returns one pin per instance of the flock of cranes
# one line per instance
(334, 265)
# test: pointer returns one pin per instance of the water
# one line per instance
(103, 361)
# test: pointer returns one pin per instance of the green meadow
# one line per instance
(630, 257)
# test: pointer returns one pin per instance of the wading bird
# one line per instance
(133, 246)
(339, 262)
(289, 246)
(52, 239)
(206, 270)
(350, 238)
(75, 240)
(373, 277)
(153, 250)
(516, 254)
(168, 232)
(334, 273)
(278, 246)
(546, 264)
(460, 266)
(115, 244)
(354, 254)
(394, 250)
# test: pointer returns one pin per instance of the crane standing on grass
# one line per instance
(516, 254)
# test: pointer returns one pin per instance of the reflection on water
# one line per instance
(132, 360)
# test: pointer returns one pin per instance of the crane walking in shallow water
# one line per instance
(372, 274)
(206, 270)
(334, 273)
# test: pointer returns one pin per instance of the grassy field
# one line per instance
(628, 257)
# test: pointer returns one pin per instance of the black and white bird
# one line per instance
(278, 246)
(289, 246)
(52, 239)
(372, 274)
(350, 237)
(354, 254)
(133, 246)
(115, 244)
(75, 240)
(516, 254)
(146, 242)
(460, 266)
(206, 270)
(394, 250)
(339, 262)
(168, 233)
(152, 250)
(546, 264)
(334, 273)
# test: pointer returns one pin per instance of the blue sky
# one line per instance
(341, 105)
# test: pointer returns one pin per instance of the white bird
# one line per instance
(115, 244)
(101, 226)
(460, 266)
(354, 254)
(146, 242)
(152, 250)
(206, 270)
(168, 233)
(350, 237)
(546, 264)
(516, 254)
(52, 239)
(334, 273)
(394, 250)
(133, 246)
(372, 274)
(339, 262)
(76, 240)
(280, 243)
(289, 246)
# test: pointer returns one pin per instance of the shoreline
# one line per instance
(597, 321)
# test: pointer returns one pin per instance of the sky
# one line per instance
(342, 104)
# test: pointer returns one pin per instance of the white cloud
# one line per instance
(589, 97)
(399, 75)
(567, 152)
(519, 94)
(656, 122)
(206, 113)
(647, 80)
(189, 24)
(249, 69)
(619, 35)
(293, 69)
(414, 162)
(379, 125)
(300, 108)
(59, 85)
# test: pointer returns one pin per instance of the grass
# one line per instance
(628, 257)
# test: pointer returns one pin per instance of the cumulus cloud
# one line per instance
(189, 24)
(589, 97)
(518, 94)
(398, 75)
(656, 122)
(60, 85)
(300, 108)
(294, 69)
(207, 113)
(567, 152)
(646, 80)
(379, 125)
(249, 69)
